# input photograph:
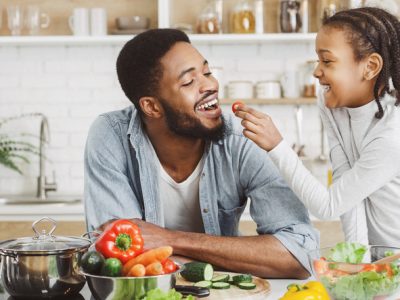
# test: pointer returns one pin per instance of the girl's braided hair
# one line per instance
(373, 30)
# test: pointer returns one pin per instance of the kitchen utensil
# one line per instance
(299, 146)
(43, 265)
(262, 290)
(79, 21)
(350, 281)
(322, 157)
(122, 288)
(35, 19)
(132, 22)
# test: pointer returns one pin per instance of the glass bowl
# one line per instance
(364, 280)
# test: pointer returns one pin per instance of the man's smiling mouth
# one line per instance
(210, 105)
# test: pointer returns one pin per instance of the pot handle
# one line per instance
(94, 233)
(44, 234)
(199, 292)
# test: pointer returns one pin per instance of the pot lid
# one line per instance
(43, 243)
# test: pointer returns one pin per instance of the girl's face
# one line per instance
(340, 75)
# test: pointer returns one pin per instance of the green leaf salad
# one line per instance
(373, 280)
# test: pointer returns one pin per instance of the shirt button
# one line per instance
(205, 210)
(203, 174)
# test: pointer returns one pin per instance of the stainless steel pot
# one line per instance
(43, 265)
(124, 288)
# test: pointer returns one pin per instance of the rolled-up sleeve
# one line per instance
(301, 240)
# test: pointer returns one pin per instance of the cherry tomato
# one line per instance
(169, 266)
(235, 104)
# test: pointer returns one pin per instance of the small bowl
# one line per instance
(361, 281)
(132, 22)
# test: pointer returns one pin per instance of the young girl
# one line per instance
(359, 56)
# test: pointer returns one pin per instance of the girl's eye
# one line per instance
(189, 83)
(326, 62)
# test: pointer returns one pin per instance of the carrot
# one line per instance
(369, 268)
(148, 257)
(154, 268)
(137, 270)
(320, 266)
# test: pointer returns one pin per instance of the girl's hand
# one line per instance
(258, 127)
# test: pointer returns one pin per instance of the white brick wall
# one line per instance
(72, 85)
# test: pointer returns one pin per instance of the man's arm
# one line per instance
(262, 255)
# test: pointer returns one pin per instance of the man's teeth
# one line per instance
(207, 104)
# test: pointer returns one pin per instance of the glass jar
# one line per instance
(309, 83)
(327, 8)
(289, 16)
(209, 20)
(243, 20)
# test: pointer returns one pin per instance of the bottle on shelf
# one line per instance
(208, 21)
(243, 20)
(289, 16)
(259, 15)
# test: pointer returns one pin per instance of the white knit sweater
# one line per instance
(365, 156)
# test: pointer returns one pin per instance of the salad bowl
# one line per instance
(349, 272)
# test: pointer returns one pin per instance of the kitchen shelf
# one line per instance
(281, 101)
(214, 39)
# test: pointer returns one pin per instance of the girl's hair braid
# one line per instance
(373, 30)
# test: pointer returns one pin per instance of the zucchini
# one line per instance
(220, 278)
(203, 284)
(220, 285)
(197, 271)
(246, 285)
(242, 278)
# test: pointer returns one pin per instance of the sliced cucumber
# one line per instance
(242, 278)
(220, 285)
(246, 285)
(203, 284)
(197, 271)
(220, 278)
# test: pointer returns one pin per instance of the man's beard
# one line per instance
(183, 124)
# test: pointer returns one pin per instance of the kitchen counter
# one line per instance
(278, 288)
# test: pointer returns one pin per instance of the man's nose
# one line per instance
(208, 83)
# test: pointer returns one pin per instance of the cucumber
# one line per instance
(220, 285)
(197, 271)
(246, 285)
(203, 284)
(242, 278)
(220, 278)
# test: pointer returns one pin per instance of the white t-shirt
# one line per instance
(180, 201)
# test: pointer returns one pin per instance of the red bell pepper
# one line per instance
(121, 239)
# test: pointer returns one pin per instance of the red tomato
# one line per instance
(235, 104)
(169, 266)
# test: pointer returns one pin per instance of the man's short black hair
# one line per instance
(138, 64)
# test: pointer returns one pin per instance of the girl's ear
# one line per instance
(373, 67)
(150, 107)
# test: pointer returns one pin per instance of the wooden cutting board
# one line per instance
(262, 289)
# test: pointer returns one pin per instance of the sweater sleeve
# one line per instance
(349, 190)
(354, 221)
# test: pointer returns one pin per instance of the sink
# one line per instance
(32, 200)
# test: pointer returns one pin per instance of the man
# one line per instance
(177, 167)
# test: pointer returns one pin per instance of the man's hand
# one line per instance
(154, 236)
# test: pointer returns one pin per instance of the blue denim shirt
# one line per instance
(121, 181)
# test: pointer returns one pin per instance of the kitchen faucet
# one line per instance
(42, 185)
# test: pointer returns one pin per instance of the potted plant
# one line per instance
(13, 149)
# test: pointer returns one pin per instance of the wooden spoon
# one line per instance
(388, 259)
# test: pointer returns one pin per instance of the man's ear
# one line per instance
(150, 107)
(373, 66)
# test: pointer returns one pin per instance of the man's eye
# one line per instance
(188, 83)
(207, 74)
